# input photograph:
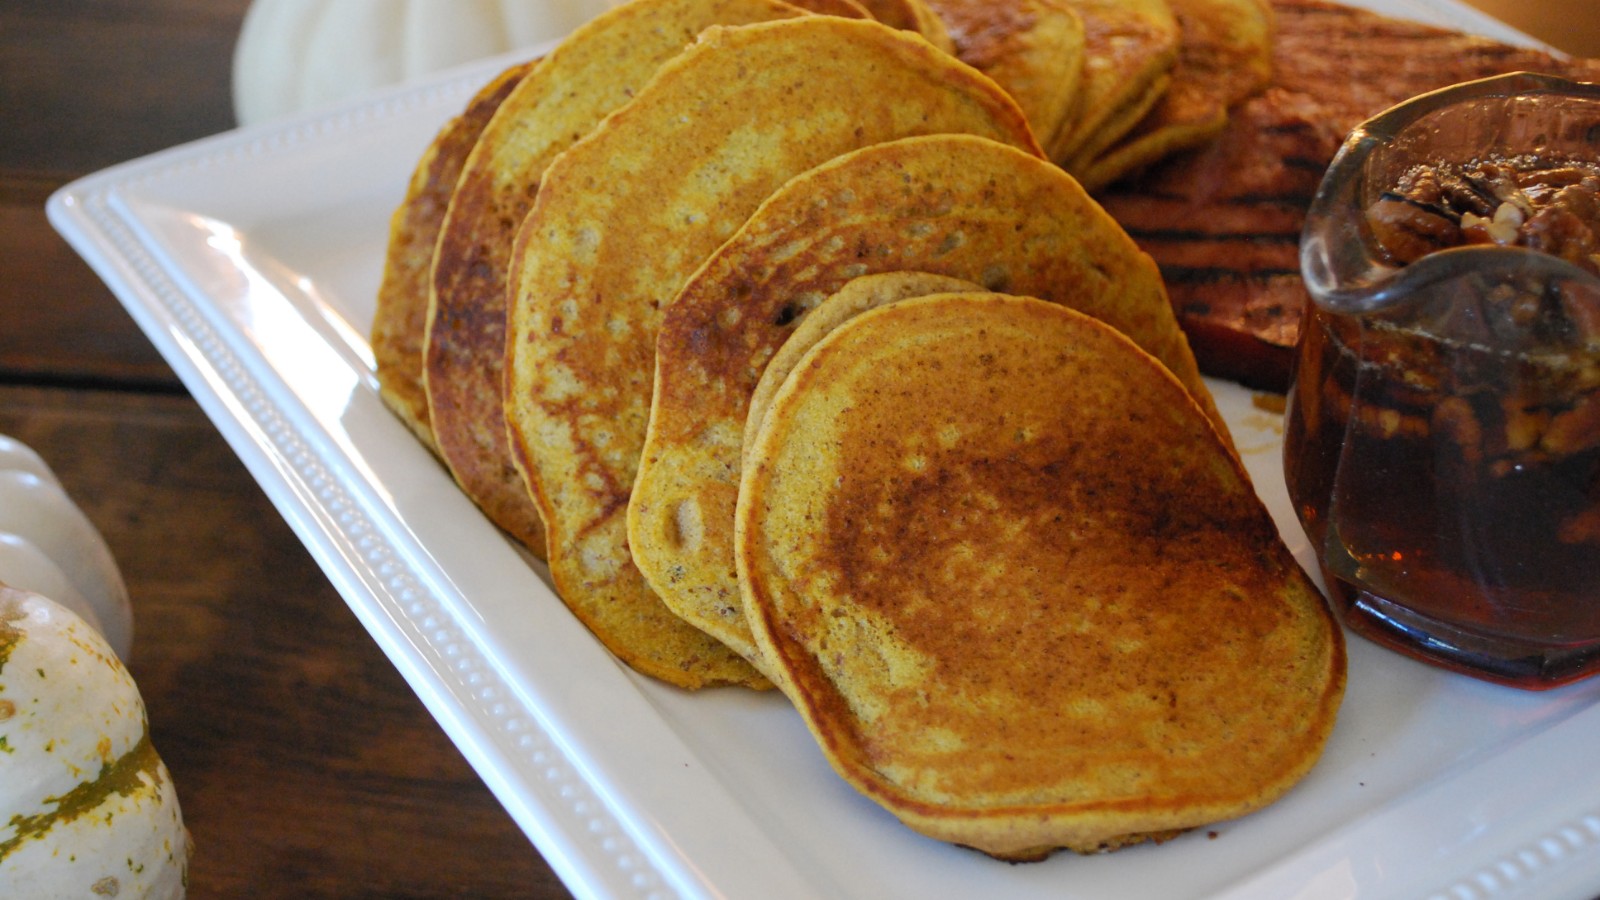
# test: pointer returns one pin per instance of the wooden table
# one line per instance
(305, 765)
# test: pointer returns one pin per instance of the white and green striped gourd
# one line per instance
(87, 808)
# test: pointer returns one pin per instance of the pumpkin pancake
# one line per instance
(715, 607)
(1225, 57)
(856, 297)
(912, 15)
(400, 323)
(1032, 48)
(596, 69)
(1130, 47)
(621, 221)
(849, 9)
(1021, 593)
(1112, 129)
(952, 205)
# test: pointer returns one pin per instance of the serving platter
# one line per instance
(251, 260)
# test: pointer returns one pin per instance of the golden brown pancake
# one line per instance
(915, 16)
(856, 297)
(1032, 48)
(722, 614)
(399, 326)
(1130, 46)
(1133, 110)
(1022, 594)
(596, 69)
(621, 221)
(1225, 56)
(849, 9)
(952, 205)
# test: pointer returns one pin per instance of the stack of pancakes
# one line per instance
(780, 334)
(1111, 86)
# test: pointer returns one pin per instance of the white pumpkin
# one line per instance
(47, 545)
(87, 808)
(294, 55)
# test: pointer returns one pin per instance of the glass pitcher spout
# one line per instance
(1349, 252)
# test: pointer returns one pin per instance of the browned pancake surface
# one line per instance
(400, 324)
(1019, 590)
(1033, 49)
(915, 16)
(856, 297)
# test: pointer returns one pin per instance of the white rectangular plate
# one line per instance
(251, 260)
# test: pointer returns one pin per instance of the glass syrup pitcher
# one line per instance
(1442, 438)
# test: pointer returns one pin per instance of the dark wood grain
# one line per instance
(88, 83)
(61, 325)
(85, 84)
(305, 765)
